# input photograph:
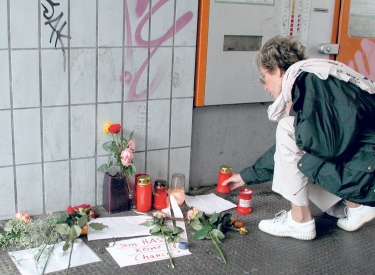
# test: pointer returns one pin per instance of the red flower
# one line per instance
(81, 206)
(238, 224)
(114, 128)
(70, 210)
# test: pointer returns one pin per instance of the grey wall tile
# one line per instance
(83, 23)
(55, 78)
(109, 72)
(160, 73)
(179, 162)
(83, 76)
(161, 32)
(4, 80)
(83, 181)
(183, 72)
(55, 133)
(56, 182)
(27, 136)
(181, 121)
(134, 119)
(29, 188)
(158, 124)
(82, 131)
(24, 23)
(6, 148)
(3, 24)
(186, 30)
(7, 194)
(25, 78)
(157, 164)
(56, 17)
(110, 23)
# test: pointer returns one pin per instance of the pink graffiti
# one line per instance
(359, 61)
(140, 8)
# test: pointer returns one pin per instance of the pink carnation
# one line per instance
(191, 214)
(126, 157)
(131, 144)
(161, 213)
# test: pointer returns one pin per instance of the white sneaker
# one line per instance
(283, 225)
(356, 217)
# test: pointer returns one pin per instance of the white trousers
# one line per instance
(288, 180)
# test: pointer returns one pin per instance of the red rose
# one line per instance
(238, 224)
(70, 210)
(114, 128)
(84, 206)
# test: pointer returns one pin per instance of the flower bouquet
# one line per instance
(213, 227)
(42, 234)
(121, 150)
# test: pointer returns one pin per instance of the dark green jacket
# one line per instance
(335, 126)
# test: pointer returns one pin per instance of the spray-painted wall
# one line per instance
(67, 67)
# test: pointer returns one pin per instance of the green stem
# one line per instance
(70, 257)
(169, 254)
(217, 247)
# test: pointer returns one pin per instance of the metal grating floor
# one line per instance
(333, 251)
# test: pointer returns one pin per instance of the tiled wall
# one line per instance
(126, 61)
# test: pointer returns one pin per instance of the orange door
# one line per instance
(356, 36)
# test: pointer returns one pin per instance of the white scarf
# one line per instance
(322, 68)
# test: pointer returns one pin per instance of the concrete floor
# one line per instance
(333, 251)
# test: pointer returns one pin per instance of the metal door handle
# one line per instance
(329, 48)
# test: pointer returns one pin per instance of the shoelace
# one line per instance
(280, 217)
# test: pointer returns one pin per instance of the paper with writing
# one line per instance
(209, 204)
(143, 250)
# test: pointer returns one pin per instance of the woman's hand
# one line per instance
(235, 181)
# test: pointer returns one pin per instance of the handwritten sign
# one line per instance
(143, 250)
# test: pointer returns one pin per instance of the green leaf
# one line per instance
(131, 135)
(66, 245)
(62, 229)
(201, 234)
(63, 217)
(82, 221)
(176, 230)
(98, 226)
(108, 146)
(214, 218)
(148, 223)
(166, 229)
(196, 225)
(155, 229)
(74, 232)
(217, 233)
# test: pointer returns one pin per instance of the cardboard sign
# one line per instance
(143, 250)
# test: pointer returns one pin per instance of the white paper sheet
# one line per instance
(143, 250)
(119, 227)
(24, 259)
(209, 204)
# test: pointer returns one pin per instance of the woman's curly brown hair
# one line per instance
(281, 52)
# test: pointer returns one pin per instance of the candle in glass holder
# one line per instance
(160, 194)
(136, 176)
(178, 187)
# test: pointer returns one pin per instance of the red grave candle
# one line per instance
(245, 201)
(144, 194)
(160, 194)
(225, 173)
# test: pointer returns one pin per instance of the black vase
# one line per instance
(115, 193)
